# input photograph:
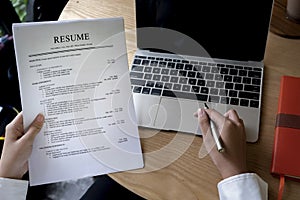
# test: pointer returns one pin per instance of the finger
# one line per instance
(208, 143)
(34, 128)
(215, 116)
(203, 121)
(232, 114)
(14, 129)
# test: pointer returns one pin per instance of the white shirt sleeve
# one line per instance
(13, 189)
(247, 186)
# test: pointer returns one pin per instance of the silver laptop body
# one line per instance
(175, 70)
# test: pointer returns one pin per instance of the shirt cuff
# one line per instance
(243, 186)
(13, 189)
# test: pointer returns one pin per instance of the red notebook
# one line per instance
(286, 148)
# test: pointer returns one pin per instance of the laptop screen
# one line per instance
(233, 29)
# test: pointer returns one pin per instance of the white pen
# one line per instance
(213, 131)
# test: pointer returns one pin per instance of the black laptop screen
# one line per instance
(231, 29)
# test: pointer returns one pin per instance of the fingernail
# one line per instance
(200, 112)
(40, 118)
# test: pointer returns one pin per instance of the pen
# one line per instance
(213, 131)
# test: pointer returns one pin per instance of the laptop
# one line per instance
(195, 52)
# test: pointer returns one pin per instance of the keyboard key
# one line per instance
(153, 63)
(137, 68)
(233, 71)
(204, 90)
(145, 62)
(171, 65)
(159, 84)
(156, 77)
(220, 84)
(197, 68)
(174, 79)
(200, 75)
(206, 69)
(218, 77)
(150, 83)
(246, 80)
(188, 67)
(182, 73)
(223, 70)
(146, 90)
(162, 64)
(142, 57)
(214, 91)
(254, 104)
(137, 89)
(179, 66)
(185, 95)
(191, 74)
(165, 71)
(223, 92)
(238, 86)
(242, 73)
(137, 82)
(148, 69)
(228, 85)
(192, 81)
(248, 95)
(195, 89)
(210, 83)
(214, 99)
(201, 82)
(237, 79)
(224, 100)
(254, 74)
(156, 70)
(209, 76)
(234, 101)
(136, 75)
(214, 70)
(183, 80)
(176, 87)
(165, 78)
(168, 85)
(256, 81)
(156, 92)
(186, 88)
(174, 72)
(137, 61)
(228, 78)
(232, 93)
(244, 102)
(252, 88)
(148, 76)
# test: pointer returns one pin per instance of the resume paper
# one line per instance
(76, 73)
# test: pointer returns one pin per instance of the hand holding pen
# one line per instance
(232, 134)
(214, 132)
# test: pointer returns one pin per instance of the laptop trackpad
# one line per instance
(146, 109)
(177, 115)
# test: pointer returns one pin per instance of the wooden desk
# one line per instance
(173, 169)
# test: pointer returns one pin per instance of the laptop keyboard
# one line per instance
(204, 81)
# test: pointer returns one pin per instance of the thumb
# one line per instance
(34, 128)
(203, 121)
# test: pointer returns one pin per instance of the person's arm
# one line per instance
(238, 183)
(14, 159)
